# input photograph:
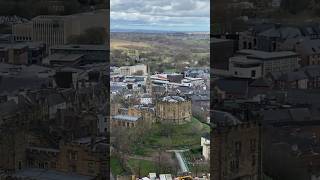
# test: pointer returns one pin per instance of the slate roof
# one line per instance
(285, 115)
(312, 71)
(293, 76)
(224, 118)
(14, 83)
(283, 32)
(55, 99)
(9, 107)
(173, 99)
(261, 83)
(232, 86)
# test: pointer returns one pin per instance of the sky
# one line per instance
(163, 15)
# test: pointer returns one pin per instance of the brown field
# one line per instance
(122, 44)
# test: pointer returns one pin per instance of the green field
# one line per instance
(159, 138)
(145, 167)
(168, 137)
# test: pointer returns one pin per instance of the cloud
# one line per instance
(161, 14)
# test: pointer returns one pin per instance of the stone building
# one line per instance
(236, 152)
(85, 156)
(125, 121)
(147, 113)
(173, 110)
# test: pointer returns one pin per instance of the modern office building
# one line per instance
(57, 30)
(281, 61)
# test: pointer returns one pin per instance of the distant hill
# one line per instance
(142, 31)
(155, 31)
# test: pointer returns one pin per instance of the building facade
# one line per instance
(173, 110)
(282, 61)
(125, 121)
(236, 152)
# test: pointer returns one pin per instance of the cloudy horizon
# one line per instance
(163, 15)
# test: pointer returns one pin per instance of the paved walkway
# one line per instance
(182, 163)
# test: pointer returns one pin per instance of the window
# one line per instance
(73, 155)
(73, 168)
(253, 162)
(252, 145)
(274, 46)
(253, 73)
(237, 147)
(234, 165)
(91, 167)
(20, 165)
(244, 45)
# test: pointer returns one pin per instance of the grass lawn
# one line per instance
(173, 70)
(115, 166)
(169, 137)
(146, 167)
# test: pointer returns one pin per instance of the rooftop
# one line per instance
(64, 57)
(126, 118)
(244, 60)
(83, 47)
(43, 174)
(266, 55)
(173, 99)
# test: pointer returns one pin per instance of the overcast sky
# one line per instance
(171, 15)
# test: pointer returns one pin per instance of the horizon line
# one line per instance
(153, 30)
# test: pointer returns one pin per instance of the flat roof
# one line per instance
(244, 60)
(43, 174)
(266, 55)
(83, 47)
(12, 45)
(44, 149)
(64, 57)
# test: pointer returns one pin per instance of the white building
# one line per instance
(241, 67)
(205, 143)
(280, 61)
(165, 177)
(189, 81)
(139, 69)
